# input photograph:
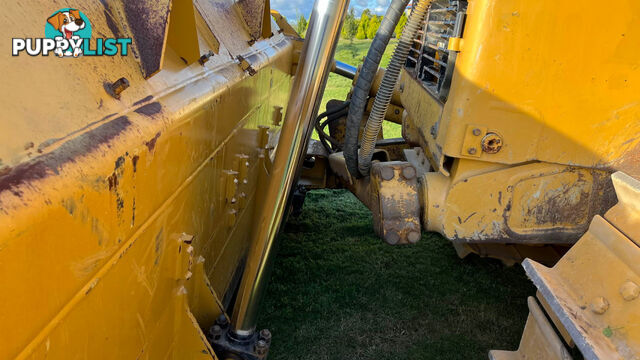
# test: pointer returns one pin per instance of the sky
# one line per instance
(290, 8)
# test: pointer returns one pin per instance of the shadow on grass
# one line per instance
(338, 292)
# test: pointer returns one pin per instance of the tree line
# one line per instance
(364, 27)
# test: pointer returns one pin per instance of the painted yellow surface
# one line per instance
(562, 97)
(592, 292)
(117, 237)
(556, 86)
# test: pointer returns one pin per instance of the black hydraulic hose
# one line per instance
(388, 84)
(365, 79)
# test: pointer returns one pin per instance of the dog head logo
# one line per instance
(68, 27)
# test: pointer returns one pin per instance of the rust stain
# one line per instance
(134, 161)
(252, 13)
(45, 144)
(148, 35)
(51, 163)
(151, 144)
(119, 163)
(133, 212)
(143, 100)
(113, 182)
(562, 205)
(149, 109)
(5, 170)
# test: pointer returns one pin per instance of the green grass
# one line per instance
(339, 292)
(353, 53)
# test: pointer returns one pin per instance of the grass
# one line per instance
(353, 53)
(339, 292)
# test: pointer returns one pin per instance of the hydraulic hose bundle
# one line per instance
(359, 165)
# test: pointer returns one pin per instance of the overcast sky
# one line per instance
(289, 8)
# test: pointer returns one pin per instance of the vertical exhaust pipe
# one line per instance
(307, 90)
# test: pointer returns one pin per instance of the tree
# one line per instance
(361, 34)
(373, 26)
(401, 23)
(301, 25)
(350, 26)
(362, 26)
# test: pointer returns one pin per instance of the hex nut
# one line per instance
(392, 238)
(472, 151)
(476, 132)
(261, 347)
(386, 173)
(629, 290)
(222, 320)
(409, 172)
(265, 335)
(599, 305)
(491, 143)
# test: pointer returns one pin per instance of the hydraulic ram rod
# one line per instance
(308, 86)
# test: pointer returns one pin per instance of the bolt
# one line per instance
(629, 290)
(261, 347)
(118, 87)
(491, 143)
(413, 237)
(409, 172)
(265, 335)
(222, 320)
(396, 112)
(386, 173)
(204, 58)
(215, 331)
(392, 238)
(476, 132)
(472, 151)
(599, 305)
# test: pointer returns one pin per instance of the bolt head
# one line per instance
(386, 173)
(265, 335)
(119, 86)
(413, 237)
(261, 347)
(409, 172)
(472, 151)
(216, 329)
(491, 143)
(629, 290)
(599, 305)
(476, 132)
(222, 320)
(392, 238)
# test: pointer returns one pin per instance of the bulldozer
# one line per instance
(151, 150)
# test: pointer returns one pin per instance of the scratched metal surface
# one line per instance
(114, 217)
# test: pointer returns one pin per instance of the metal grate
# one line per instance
(429, 60)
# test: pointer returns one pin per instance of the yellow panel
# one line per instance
(559, 84)
(593, 290)
(92, 215)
